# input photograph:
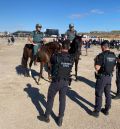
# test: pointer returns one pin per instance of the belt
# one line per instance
(106, 75)
(36, 42)
(99, 76)
(59, 79)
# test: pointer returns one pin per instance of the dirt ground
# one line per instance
(22, 100)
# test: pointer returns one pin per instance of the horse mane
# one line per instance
(50, 46)
(76, 43)
(77, 37)
(48, 50)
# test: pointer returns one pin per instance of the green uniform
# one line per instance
(71, 34)
(37, 38)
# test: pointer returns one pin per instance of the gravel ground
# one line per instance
(20, 106)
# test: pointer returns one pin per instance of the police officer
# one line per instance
(104, 66)
(61, 67)
(71, 33)
(118, 78)
(36, 39)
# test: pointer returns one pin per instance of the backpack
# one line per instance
(64, 65)
(109, 63)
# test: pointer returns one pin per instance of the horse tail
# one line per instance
(24, 57)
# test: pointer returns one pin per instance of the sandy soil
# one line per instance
(22, 100)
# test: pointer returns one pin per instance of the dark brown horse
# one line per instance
(43, 56)
(75, 49)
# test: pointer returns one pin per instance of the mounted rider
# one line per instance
(37, 39)
(70, 33)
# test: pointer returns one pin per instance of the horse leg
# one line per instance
(30, 65)
(25, 66)
(81, 49)
(49, 70)
(80, 53)
(86, 52)
(76, 68)
(24, 61)
(41, 71)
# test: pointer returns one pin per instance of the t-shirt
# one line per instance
(37, 36)
(71, 34)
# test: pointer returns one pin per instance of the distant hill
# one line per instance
(115, 34)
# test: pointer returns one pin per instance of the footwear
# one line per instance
(105, 111)
(95, 113)
(59, 121)
(44, 118)
(117, 96)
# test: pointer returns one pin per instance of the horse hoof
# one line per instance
(38, 83)
(76, 79)
(42, 77)
(30, 74)
(26, 75)
(50, 78)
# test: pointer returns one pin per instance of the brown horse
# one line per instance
(75, 49)
(43, 56)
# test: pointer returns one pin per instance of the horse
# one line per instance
(75, 49)
(44, 55)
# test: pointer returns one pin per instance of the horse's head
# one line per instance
(76, 44)
(67, 43)
(77, 39)
(56, 46)
(53, 47)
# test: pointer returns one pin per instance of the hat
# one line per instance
(71, 25)
(39, 25)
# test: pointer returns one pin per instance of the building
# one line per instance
(52, 33)
(22, 33)
(4, 34)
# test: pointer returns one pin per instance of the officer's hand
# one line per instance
(44, 40)
(65, 37)
(34, 44)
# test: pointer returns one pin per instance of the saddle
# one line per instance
(29, 46)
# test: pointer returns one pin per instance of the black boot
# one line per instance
(59, 121)
(105, 111)
(117, 96)
(44, 118)
(95, 113)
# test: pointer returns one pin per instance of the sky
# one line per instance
(86, 15)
